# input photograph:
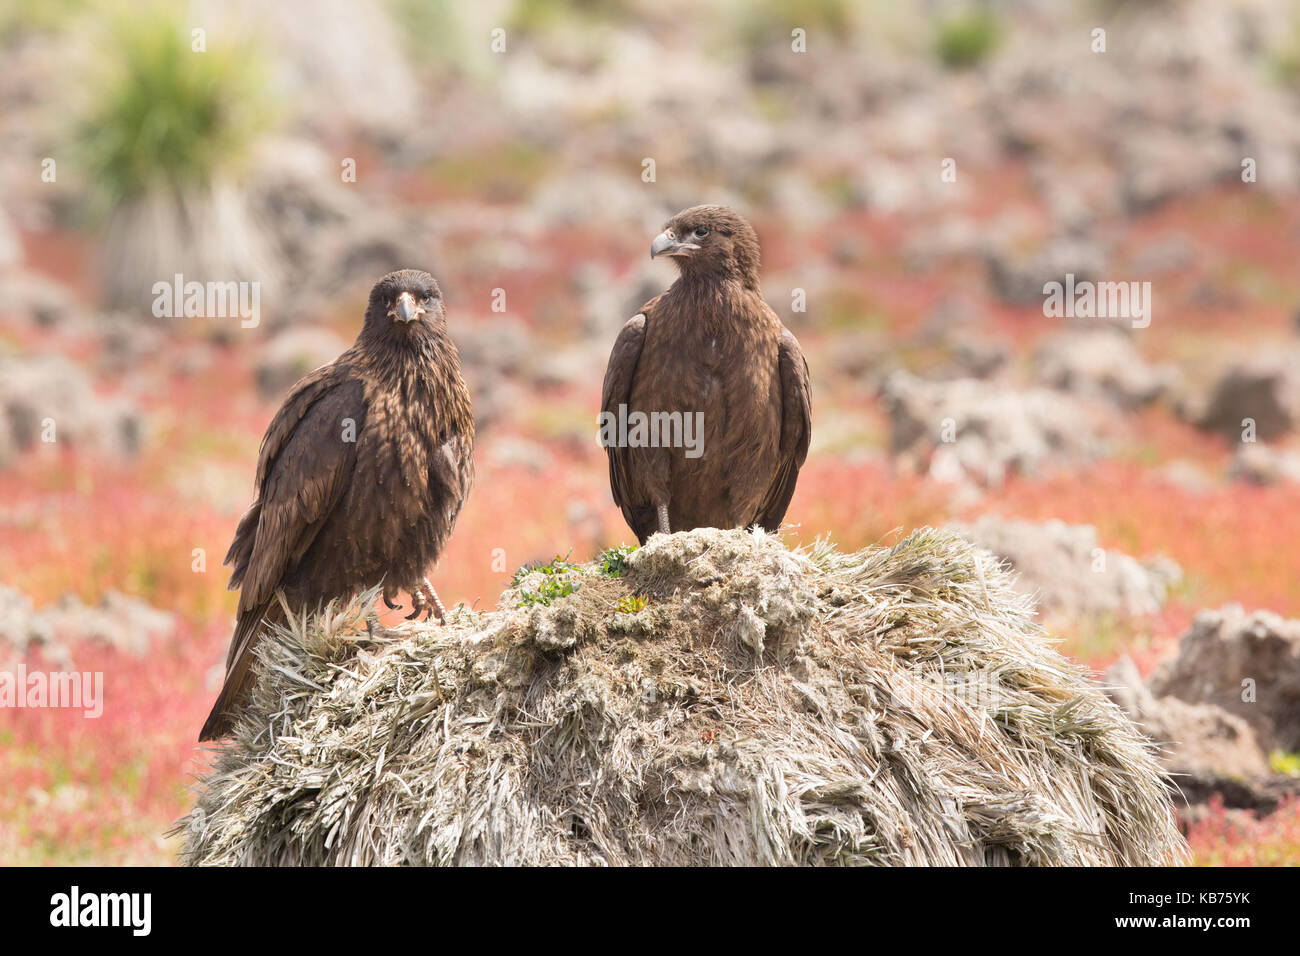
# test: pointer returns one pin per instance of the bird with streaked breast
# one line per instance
(709, 346)
(360, 478)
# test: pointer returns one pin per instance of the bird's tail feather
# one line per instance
(248, 631)
(643, 521)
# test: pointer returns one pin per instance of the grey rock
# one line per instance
(37, 393)
(291, 354)
(1019, 280)
(983, 432)
(1260, 464)
(1263, 388)
(119, 621)
(1068, 573)
(36, 298)
(1247, 664)
(1100, 364)
(1196, 740)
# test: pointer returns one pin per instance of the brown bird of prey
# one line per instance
(361, 475)
(705, 411)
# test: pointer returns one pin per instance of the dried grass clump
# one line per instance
(765, 706)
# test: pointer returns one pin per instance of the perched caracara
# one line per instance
(360, 478)
(705, 411)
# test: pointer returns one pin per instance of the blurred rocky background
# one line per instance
(917, 174)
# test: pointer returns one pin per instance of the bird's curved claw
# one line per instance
(426, 601)
(391, 605)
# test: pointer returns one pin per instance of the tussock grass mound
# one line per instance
(759, 706)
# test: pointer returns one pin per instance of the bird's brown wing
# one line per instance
(307, 457)
(796, 430)
(299, 402)
(453, 470)
(616, 391)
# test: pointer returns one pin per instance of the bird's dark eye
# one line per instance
(701, 232)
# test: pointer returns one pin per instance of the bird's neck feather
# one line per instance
(712, 304)
(417, 357)
(724, 276)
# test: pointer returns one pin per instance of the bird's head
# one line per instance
(403, 302)
(710, 241)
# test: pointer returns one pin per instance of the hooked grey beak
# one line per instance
(666, 244)
(406, 310)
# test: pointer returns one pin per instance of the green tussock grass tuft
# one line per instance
(966, 39)
(612, 562)
(766, 21)
(557, 565)
(542, 16)
(544, 583)
(548, 591)
(164, 115)
(49, 16)
(1284, 58)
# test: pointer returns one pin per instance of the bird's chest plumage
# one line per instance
(406, 489)
(716, 368)
(400, 439)
(716, 365)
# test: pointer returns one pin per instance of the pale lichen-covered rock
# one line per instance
(983, 432)
(1261, 464)
(57, 630)
(1196, 739)
(1259, 396)
(291, 354)
(1069, 573)
(48, 400)
(1100, 364)
(1248, 664)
